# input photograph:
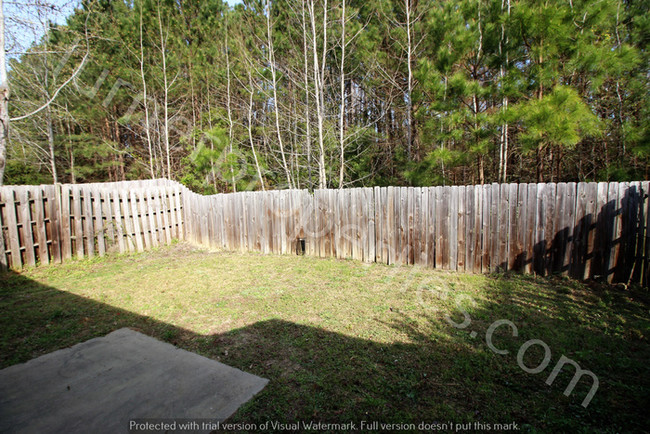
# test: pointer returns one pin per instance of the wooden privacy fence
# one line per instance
(48, 223)
(585, 230)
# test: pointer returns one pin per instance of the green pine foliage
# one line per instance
(453, 92)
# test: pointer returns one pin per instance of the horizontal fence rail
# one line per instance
(48, 223)
(583, 230)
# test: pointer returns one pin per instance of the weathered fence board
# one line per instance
(12, 228)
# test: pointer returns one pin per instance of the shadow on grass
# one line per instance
(442, 375)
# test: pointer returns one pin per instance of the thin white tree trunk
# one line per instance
(342, 111)
(50, 142)
(4, 98)
(503, 142)
(475, 102)
(163, 48)
(48, 116)
(73, 178)
(250, 129)
(409, 103)
(145, 102)
(275, 94)
(228, 107)
(318, 86)
(306, 78)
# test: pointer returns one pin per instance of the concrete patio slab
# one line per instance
(100, 385)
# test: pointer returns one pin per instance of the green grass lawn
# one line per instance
(345, 341)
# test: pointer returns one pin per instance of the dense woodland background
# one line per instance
(331, 93)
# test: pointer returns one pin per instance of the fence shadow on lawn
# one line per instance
(319, 375)
(604, 245)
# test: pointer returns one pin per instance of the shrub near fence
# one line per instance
(585, 230)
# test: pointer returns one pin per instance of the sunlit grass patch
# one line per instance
(344, 340)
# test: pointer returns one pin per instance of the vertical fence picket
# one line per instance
(645, 277)
(504, 227)
(143, 210)
(54, 215)
(637, 276)
(164, 200)
(410, 226)
(89, 229)
(626, 198)
(424, 227)
(180, 230)
(478, 228)
(4, 264)
(540, 247)
(25, 218)
(151, 217)
(333, 215)
(76, 208)
(485, 224)
(560, 240)
(127, 215)
(378, 222)
(520, 253)
(439, 227)
(98, 209)
(513, 223)
(40, 227)
(590, 225)
(107, 217)
(460, 217)
(570, 222)
(531, 230)
(120, 228)
(632, 223)
(494, 226)
(172, 212)
(549, 227)
(137, 224)
(12, 228)
(453, 228)
(415, 206)
(469, 228)
(66, 222)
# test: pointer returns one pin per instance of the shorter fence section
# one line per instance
(48, 223)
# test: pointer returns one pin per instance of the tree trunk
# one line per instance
(228, 106)
(318, 85)
(73, 178)
(540, 163)
(50, 143)
(250, 129)
(275, 94)
(409, 102)
(4, 98)
(306, 78)
(145, 102)
(342, 111)
(163, 48)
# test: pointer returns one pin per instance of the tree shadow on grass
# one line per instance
(440, 375)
